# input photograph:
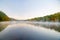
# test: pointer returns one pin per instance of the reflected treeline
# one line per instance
(55, 27)
(3, 26)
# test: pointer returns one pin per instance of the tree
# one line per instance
(3, 16)
(54, 17)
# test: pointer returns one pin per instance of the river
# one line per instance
(27, 30)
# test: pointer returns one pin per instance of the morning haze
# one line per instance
(29, 19)
(25, 9)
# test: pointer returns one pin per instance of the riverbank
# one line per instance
(44, 23)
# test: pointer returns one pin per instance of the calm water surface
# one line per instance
(20, 30)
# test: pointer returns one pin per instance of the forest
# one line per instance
(3, 16)
(53, 17)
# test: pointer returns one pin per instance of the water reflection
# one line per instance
(55, 27)
(3, 26)
(24, 31)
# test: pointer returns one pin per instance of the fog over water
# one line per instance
(28, 30)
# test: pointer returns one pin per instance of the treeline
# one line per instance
(54, 17)
(3, 16)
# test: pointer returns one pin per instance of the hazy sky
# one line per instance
(24, 9)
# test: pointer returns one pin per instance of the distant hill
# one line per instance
(4, 17)
(12, 19)
(53, 17)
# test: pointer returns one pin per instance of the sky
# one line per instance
(26, 9)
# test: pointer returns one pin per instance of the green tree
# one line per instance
(3, 16)
(54, 17)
